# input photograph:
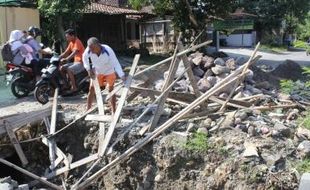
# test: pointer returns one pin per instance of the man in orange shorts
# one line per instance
(100, 61)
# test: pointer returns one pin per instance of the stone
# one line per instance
(208, 62)
(249, 76)
(158, 178)
(241, 60)
(242, 115)
(191, 127)
(202, 130)
(207, 123)
(198, 72)
(218, 69)
(203, 85)
(219, 61)
(197, 60)
(282, 129)
(292, 115)
(223, 95)
(250, 150)
(304, 148)
(241, 127)
(303, 133)
(264, 130)
(6, 186)
(231, 64)
(212, 80)
(208, 73)
(304, 182)
(23, 187)
(252, 131)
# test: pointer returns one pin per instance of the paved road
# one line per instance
(272, 59)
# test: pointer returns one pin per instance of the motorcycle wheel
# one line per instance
(41, 93)
(18, 90)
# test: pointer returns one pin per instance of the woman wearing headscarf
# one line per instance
(18, 49)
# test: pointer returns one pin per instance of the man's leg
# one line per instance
(112, 100)
(72, 80)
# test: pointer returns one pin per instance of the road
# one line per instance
(272, 59)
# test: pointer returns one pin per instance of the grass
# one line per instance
(303, 166)
(273, 48)
(198, 142)
(305, 121)
(287, 86)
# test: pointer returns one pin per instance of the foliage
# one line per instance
(305, 120)
(303, 28)
(287, 86)
(59, 14)
(198, 141)
(303, 166)
(300, 44)
(137, 4)
(273, 48)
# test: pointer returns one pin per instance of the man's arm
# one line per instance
(71, 55)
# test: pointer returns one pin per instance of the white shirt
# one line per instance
(106, 63)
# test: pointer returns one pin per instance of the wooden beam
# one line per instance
(16, 144)
(172, 71)
(42, 180)
(219, 101)
(190, 73)
(215, 89)
(51, 142)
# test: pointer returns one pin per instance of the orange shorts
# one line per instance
(105, 80)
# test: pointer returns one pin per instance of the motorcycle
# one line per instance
(51, 79)
(21, 78)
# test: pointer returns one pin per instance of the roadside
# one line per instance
(270, 59)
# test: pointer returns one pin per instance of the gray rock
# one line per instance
(219, 61)
(208, 73)
(250, 150)
(223, 95)
(23, 187)
(198, 72)
(6, 186)
(207, 123)
(242, 115)
(231, 64)
(202, 130)
(241, 60)
(282, 129)
(218, 69)
(208, 62)
(304, 148)
(158, 178)
(304, 182)
(203, 85)
(197, 60)
(212, 80)
(252, 131)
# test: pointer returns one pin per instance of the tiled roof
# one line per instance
(110, 10)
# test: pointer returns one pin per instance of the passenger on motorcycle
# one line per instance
(21, 52)
(38, 64)
(74, 50)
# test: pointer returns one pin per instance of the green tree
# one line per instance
(303, 29)
(59, 14)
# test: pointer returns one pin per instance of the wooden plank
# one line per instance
(172, 71)
(72, 166)
(51, 141)
(219, 101)
(190, 73)
(100, 110)
(42, 180)
(216, 88)
(116, 116)
(104, 118)
(16, 144)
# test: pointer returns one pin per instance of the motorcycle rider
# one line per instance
(74, 50)
(21, 52)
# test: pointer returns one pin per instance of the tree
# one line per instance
(59, 14)
(303, 29)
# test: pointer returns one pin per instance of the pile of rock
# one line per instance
(10, 184)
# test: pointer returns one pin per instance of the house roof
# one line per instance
(17, 3)
(110, 10)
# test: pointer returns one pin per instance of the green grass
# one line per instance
(305, 120)
(300, 44)
(303, 166)
(287, 86)
(198, 142)
(273, 48)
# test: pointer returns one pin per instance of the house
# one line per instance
(111, 22)
(16, 14)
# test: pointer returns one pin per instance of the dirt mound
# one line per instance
(288, 70)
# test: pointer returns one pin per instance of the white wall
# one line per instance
(236, 39)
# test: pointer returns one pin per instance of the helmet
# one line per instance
(34, 31)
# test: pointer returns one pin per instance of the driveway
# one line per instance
(272, 59)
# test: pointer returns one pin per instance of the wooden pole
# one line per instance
(30, 174)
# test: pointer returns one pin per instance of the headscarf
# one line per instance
(15, 39)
